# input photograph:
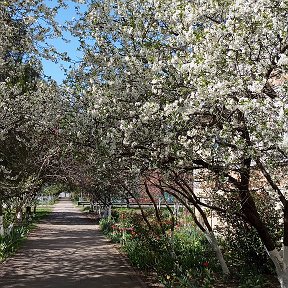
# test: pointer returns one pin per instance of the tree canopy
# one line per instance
(177, 88)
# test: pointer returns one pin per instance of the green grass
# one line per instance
(43, 210)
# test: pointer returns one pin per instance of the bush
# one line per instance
(181, 259)
(242, 244)
(139, 254)
(106, 225)
(11, 242)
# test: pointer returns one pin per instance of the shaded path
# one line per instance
(67, 250)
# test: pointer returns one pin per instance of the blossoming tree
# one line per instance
(30, 106)
(195, 85)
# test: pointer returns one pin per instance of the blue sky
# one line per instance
(54, 69)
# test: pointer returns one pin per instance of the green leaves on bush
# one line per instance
(181, 259)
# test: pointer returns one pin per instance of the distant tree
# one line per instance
(30, 107)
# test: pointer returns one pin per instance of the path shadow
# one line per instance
(67, 250)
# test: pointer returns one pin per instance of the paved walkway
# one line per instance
(67, 250)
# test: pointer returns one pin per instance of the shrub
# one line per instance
(139, 254)
(11, 242)
(241, 242)
(181, 259)
(106, 225)
(177, 263)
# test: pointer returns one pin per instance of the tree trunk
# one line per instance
(10, 228)
(206, 228)
(109, 211)
(19, 214)
(1, 220)
(91, 207)
(281, 265)
(214, 243)
(283, 279)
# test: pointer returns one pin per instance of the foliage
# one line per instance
(9, 243)
(197, 86)
(241, 242)
(166, 86)
(183, 257)
(54, 189)
(106, 225)
(252, 279)
(179, 260)
(30, 105)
